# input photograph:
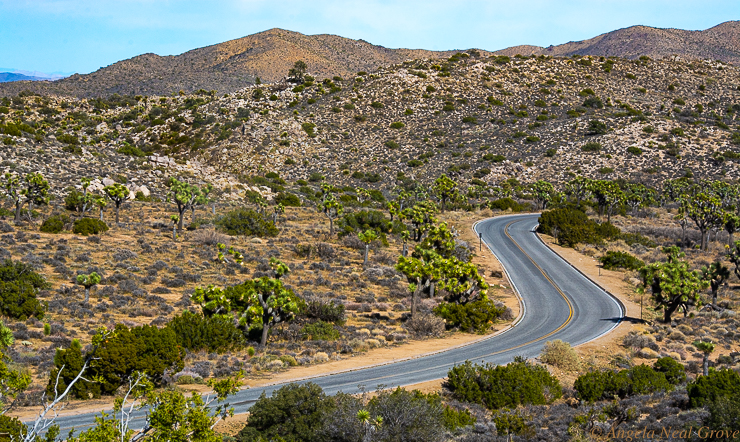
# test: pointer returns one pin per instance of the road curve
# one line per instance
(559, 303)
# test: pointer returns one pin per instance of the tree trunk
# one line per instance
(265, 330)
(87, 295)
(730, 242)
(705, 364)
(714, 296)
(405, 249)
(431, 290)
(367, 249)
(174, 233)
(192, 214)
(118, 206)
(331, 226)
(101, 214)
(704, 239)
(17, 211)
(179, 221)
(414, 299)
(669, 309)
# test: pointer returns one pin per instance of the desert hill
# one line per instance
(228, 66)
(721, 42)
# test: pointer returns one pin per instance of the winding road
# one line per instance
(558, 303)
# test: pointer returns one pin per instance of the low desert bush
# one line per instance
(560, 354)
(89, 226)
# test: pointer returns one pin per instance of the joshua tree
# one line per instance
(33, 190)
(330, 207)
(187, 196)
(367, 237)
(88, 281)
(706, 348)
(716, 274)
(279, 209)
(118, 194)
(672, 284)
(445, 189)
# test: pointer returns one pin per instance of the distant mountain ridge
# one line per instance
(6, 77)
(229, 66)
(721, 42)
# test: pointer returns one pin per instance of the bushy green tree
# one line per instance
(495, 387)
(294, 412)
(140, 349)
(215, 334)
(716, 273)
(246, 222)
(19, 285)
(717, 384)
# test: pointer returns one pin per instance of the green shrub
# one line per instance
(551, 152)
(363, 220)
(452, 418)
(246, 222)
(596, 127)
(593, 102)
(473, 317)
(572, 226)
(718, 384)
(414, 163)
(54, 224)
(320, 331)
(495, 387)
(397, 125)
(560, 354)
(638, 380)
(288, 199)
(511, 422)
(215, 334)
(11, 429)
(636, 238)
(325, 311)
(19, 284)
(294, 412)
(390, 144)
(89, 226)
(674, 371)
(145, 348)
(620, 260)
(591, 146)
(315, 177)
(128, 149)
(634, 150)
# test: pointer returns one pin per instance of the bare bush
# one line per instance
(425, 326)
(209, 237)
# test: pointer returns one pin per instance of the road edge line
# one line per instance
(611, 295)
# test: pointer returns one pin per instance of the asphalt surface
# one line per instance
(559, 303)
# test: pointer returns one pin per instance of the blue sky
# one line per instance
(83, 35)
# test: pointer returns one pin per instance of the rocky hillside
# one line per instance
(481, 120)
(228, 66)
(721, 42)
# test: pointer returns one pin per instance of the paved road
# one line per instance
(559, 303)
